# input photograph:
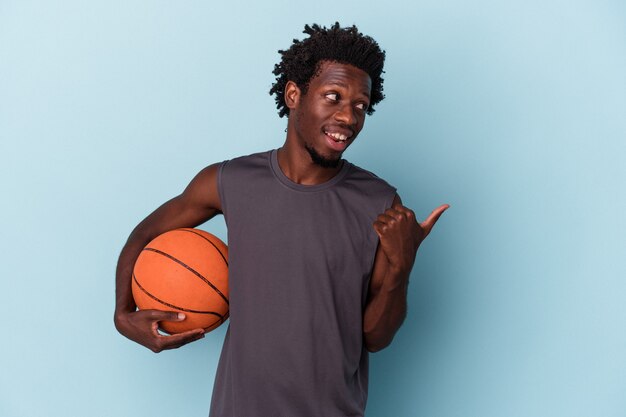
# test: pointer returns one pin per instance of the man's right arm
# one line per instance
(198, 203)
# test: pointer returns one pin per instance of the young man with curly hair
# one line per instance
(320, 250)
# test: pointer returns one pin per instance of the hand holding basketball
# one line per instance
(180, 285)
(184, 270)
(142, 327)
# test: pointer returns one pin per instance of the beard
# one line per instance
(321, 160)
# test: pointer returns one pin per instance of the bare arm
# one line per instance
(198, 203)
(400, 236)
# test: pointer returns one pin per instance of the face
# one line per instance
(328, 118)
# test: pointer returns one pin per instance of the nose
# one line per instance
(345, 114)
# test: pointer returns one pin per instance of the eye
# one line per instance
(332, 96)
(361, 106)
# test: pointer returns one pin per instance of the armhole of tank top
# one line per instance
(389, 200)
(220, 190)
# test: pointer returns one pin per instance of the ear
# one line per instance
(292, 95)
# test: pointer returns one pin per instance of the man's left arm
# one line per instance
(400, 236)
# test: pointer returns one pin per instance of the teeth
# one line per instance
(338, 136)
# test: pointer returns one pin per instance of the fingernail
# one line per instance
(181, 316)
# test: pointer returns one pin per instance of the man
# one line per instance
(320, 251)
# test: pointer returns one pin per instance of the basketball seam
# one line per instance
(208, 240)
(165, 303)
(190, 269)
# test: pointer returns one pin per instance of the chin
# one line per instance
(323, 160)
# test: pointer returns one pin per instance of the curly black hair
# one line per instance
(301, 62)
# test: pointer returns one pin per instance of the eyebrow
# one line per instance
(344, 85)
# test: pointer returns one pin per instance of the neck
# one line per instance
(297, 165)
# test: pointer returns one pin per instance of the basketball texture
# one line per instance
(184, 270)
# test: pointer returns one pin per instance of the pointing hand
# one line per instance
(401, 235)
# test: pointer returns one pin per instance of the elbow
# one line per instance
(117, 321)
(376, 344)
(374, 348)
(378, 335)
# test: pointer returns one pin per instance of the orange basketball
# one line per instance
(184, 270)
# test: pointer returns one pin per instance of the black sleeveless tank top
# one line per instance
(300, 258)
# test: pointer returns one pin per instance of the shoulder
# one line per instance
(368, 180)
(242, 176)
(368, 189)
(234, 172)
(247, 161)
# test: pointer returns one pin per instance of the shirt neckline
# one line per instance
(278, 173)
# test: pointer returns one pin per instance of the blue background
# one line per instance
(512, 112)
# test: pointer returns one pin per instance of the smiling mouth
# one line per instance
(337, 137)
